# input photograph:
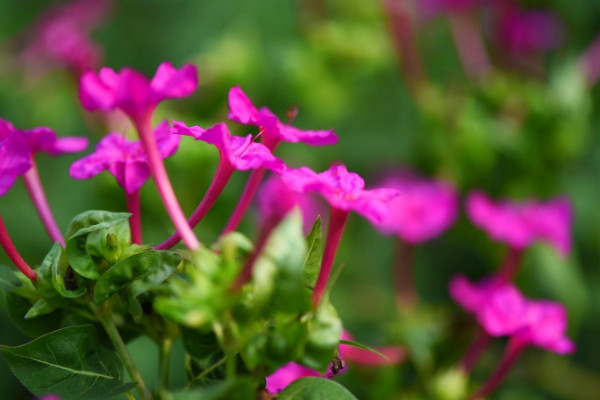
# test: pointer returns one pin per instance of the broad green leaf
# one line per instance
(69, 363)
(17, 307)
(314, 254)
(96, 238)
(315, 389)
(136, 273)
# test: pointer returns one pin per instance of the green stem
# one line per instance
(105, 319)
(207, 371)
(164, 357)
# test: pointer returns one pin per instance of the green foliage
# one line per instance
(315, 389)
(69, 363)
(314, 254)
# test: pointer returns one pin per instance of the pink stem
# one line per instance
(589, 62)
(469, 43)
(163, 184)
(510, 267)
(224, 172)
(511, 355)
(337, 222)
(250, 189)
(38, 196)
(477, 346)
(135, 221)
(406, 292)
(13, 254)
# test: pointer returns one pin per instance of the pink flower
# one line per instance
(431, 8)
(132, 92)
(521, 224)
(275, 199)
(524, 32)
(243, 111)
(343, 190)
(126, 160)
(15, 159)
(469, 295)
(546, 326)
(240, 152)
(422, 210)
(287, 374)
(394, 354)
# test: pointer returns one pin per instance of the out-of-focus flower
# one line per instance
(240, 152)
(62, 36)
(287, 374)
(131, 92)
(356, 355)
(15, 159)
(343, 190)
(524, 32)
(243, 111)
(521, 224)
(422, 210)
(126, 160)
(431, 8)
(50, 397)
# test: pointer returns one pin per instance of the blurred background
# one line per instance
(489, 94)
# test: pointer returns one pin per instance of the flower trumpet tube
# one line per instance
(236, 153)
(13, 254)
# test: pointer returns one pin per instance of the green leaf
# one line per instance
(39, 308)
(137, 274)
(18, 306)
(238, 389)
(315, 389)
(314, 255)
(69, 363)
(324, 332)
(96, 238)
(199, 344)
(362, 346)
(52, 275)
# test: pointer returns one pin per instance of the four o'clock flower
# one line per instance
(38, 140)
(422, 211)
(273, 132)
(236, 153)
(126, 160)
(136, 96)
(345, 192)
(504, 312)
(521, 224)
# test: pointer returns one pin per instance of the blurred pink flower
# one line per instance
(15, 159)
(287, 374)
(343, 190)
(131, 92)
(62, 36)
(126, 160)
(239, 152)
(431, 8)
(243, 111)
(521, 224)
(422, 210)
(353, 354)
(522, 32)
(50, 397)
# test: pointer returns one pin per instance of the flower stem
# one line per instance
(469, 44)
(164, 357)
(222, 176)
(38, 196)
(406, 291)
(477, 346)
(250, 189)
(163, 184)
(510, 266)
(337, 222)
(135, 221)
(511, 355)
(13, 254)
(107, 322)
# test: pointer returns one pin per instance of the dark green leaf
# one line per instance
(52, 274)
(69, 363)
(199, 344)
(136, 273)
(18, 306)
(239, 389)
(315, 389)
(314, 254)
(96, 237)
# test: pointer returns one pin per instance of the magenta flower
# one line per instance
(62, 36)
(431, 8)
(422, 211)
(287, 374)
(345, 192)
(243, 111)
(132, 92)
(353, 354)
(469, 295)
(524, 32)
(239, 152)
(521, 224)
(15, 158)
(125, 159)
